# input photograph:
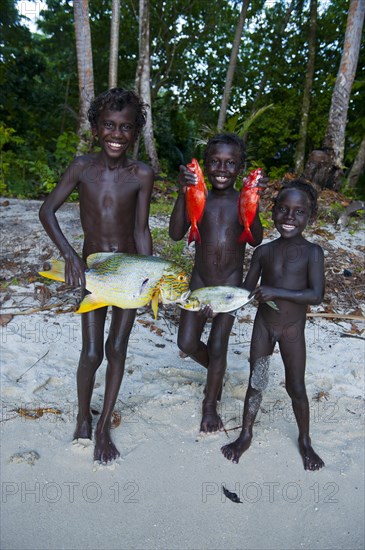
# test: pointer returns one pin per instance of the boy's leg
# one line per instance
(293, 353)
(217, 347)
(262, 347)
(191, 326)
(92, 324)
(116, 351)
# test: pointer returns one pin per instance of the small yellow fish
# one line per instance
(127, 281)
(222, 299)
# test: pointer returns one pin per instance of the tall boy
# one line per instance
(292, 274)
(218, 261)
(114, 193)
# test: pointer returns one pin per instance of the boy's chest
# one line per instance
(108, 186)
(286, 262)
(221, 212)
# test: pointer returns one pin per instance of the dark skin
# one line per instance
(115, 194)
(292, 274)
(218, 261)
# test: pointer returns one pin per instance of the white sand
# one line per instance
(166, 490)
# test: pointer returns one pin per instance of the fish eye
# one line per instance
(229, 296)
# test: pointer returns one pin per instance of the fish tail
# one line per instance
(246, 237)
(194, 234)
(54, 270)
(89, 303)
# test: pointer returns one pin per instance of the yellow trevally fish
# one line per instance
(127, 281)
(222, 299)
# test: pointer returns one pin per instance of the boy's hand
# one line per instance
(207, 311)
(186, 178)
(75, 269)
(262, 183)
(265, 293)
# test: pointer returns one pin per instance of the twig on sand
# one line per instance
(21, 376)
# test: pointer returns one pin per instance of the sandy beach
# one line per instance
(166, 490)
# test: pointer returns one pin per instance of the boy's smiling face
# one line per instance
(291, 213)
(223, 165)
(116, 131)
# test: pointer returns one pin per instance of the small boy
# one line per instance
(114, 194)
(292, 274)
(218, 261)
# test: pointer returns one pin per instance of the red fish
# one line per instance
(195, 197)
(248, 203)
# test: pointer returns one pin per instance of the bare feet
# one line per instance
(310, 459)
(211, 421)
(83, 428)
(234, 450)
(105, 451)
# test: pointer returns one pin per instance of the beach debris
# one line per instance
(127, 281)
(116, 419)
(34, 414)
(34, 364)
(232, 496)
(352, 208)
(29, 457)
(5, 318)
(195, 199)
(321, 396)
(222, 299)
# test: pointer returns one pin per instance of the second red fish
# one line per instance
(195, 197)
(248, 203)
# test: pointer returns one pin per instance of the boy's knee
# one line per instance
(91, 358)
(116, 351)
(296, 392)
(185, 345)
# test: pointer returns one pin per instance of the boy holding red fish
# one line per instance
(292, 274)
(218, 258)
(114, 195)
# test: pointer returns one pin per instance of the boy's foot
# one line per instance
(310, 458)
(83, 428)
(234, 450)
(105, 451)
(211, 421)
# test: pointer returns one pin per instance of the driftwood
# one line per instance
(343, 220)
(337, 316)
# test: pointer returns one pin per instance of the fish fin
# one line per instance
(154, 303)
(194, 235)
(273, 305)
(89, 303)
(97, 258)
(246, 237)
(56, 272)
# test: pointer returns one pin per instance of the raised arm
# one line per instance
(142, 233)
(314, 292)
(254, 271)
(75, 266)
(178, 220)
(256, 230)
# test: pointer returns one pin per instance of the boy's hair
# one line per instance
(301, 185)
(228, 138)
(116, 99)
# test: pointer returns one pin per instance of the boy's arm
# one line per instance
(178, 221)
(74, 265)
(314, 292)
(142, 233)
(256, 230)
(254, 271)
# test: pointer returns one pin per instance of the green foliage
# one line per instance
(190, 49)
(175, 251)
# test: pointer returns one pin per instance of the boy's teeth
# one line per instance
(288, 227)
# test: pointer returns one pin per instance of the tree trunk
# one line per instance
(114, 44)
(300, 149)
(358, 166)
(85, 71)
(232, 66)
(325, 167)
(143, 86)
